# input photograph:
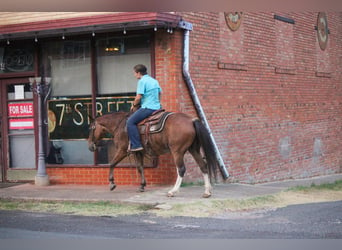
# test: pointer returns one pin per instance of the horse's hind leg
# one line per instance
(203, 166)
(139, 158)
(179, 161)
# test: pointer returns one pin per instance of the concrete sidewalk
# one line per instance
(153, 195)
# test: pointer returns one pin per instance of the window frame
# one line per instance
(94, 85)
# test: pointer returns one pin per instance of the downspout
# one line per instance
(187, 28)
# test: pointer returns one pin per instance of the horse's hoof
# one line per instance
(170, 194)
(206, 195)
(112, 187)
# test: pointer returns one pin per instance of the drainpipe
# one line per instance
(187, 28)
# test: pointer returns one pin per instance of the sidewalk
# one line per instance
(154, 194)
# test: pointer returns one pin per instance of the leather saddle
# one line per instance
(154, 123)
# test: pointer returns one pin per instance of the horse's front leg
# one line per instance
(139, 158)
(119, 155)
(112, 184)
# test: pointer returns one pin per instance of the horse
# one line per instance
(180, 134)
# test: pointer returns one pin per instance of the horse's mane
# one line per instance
(108, 119)
(111, 115)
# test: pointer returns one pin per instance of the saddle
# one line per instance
(154, 123)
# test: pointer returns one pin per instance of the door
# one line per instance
(17, 127)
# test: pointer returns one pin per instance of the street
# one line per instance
(309, 221)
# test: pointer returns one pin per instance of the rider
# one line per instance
(148, 98)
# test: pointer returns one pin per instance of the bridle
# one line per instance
(92, 131)
(93, 128)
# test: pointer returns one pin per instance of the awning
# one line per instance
(88, 24)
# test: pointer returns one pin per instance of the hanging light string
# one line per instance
(168, 27)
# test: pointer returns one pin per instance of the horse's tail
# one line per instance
(203, 140)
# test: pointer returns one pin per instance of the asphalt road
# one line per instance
(309, 221)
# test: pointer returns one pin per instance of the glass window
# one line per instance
(19, 91)
(69, 152)
(16, 58)
(116, 57)
(21, 147)
(68, 63)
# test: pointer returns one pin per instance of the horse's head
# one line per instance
(96, 131)
(112, 123)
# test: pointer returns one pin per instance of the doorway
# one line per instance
(17, 141)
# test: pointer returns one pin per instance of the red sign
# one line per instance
(21, 123)
(20, 109)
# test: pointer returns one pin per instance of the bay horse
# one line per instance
(180, 134)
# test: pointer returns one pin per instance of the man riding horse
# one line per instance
(179, 134)
(148, 99)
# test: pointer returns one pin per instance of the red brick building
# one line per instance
(269, 85)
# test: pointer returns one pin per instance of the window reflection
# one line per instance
(68, 63)
(116, 58)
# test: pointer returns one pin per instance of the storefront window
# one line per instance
(68, 63)
(116, 58)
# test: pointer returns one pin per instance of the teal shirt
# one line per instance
(149, 88)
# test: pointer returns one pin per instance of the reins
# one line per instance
(93, 128)
(117, 127)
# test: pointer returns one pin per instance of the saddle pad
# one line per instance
(154, 125)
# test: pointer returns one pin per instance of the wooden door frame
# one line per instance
(4, 150)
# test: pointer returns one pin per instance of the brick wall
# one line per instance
(271, 95)
(161, 175)
(275, 104)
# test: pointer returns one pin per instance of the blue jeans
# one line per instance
(132, 128)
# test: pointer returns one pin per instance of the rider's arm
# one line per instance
(137, 100)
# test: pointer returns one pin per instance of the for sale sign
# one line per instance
(20, 109)
(21, 114)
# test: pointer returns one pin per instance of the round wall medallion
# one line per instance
(322, 30)
(233, 20)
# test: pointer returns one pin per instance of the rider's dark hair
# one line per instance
(140, 68)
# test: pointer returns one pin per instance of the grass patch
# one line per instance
(192, 184)
(78, 208)
(247, 204)
(292, 196)
(335, 186)
(211, 207)
(204, 208)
